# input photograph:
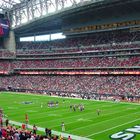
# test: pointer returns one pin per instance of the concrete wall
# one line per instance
(9, 42)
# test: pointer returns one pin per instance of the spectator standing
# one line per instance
(6, 122)
(23, 126)
(0, 133)
(61, 137)
(69, 138)
(1, 123)
(46, 131)
(34, 129)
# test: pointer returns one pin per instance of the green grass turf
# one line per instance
(114, 117)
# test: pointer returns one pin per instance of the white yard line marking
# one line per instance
(112, 128)
(107, 101)
(102, 122)
(42, 122)
(74, 137)
(77, 137)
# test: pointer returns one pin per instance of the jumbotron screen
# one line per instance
(4, 27)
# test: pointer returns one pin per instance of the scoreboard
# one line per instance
(4, 27)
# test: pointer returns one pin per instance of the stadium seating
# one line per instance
(75, 63)
(116, 85)
(62, 49)
(92, 42)
(72, 63)
(5, 54)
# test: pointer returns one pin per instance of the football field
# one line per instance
(112, 119)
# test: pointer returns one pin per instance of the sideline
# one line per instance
(91, 100)
(65, 135)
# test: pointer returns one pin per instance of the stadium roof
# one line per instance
(8, 4)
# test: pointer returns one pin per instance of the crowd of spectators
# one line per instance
(11, 132)
(5, 65)
(77, 63)
(77, 42)
(117, 85)
(6, 53)
(60, 51)
(122, 52)
(129, 61)
(81, 84)
(80, 48)
(93, 42)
